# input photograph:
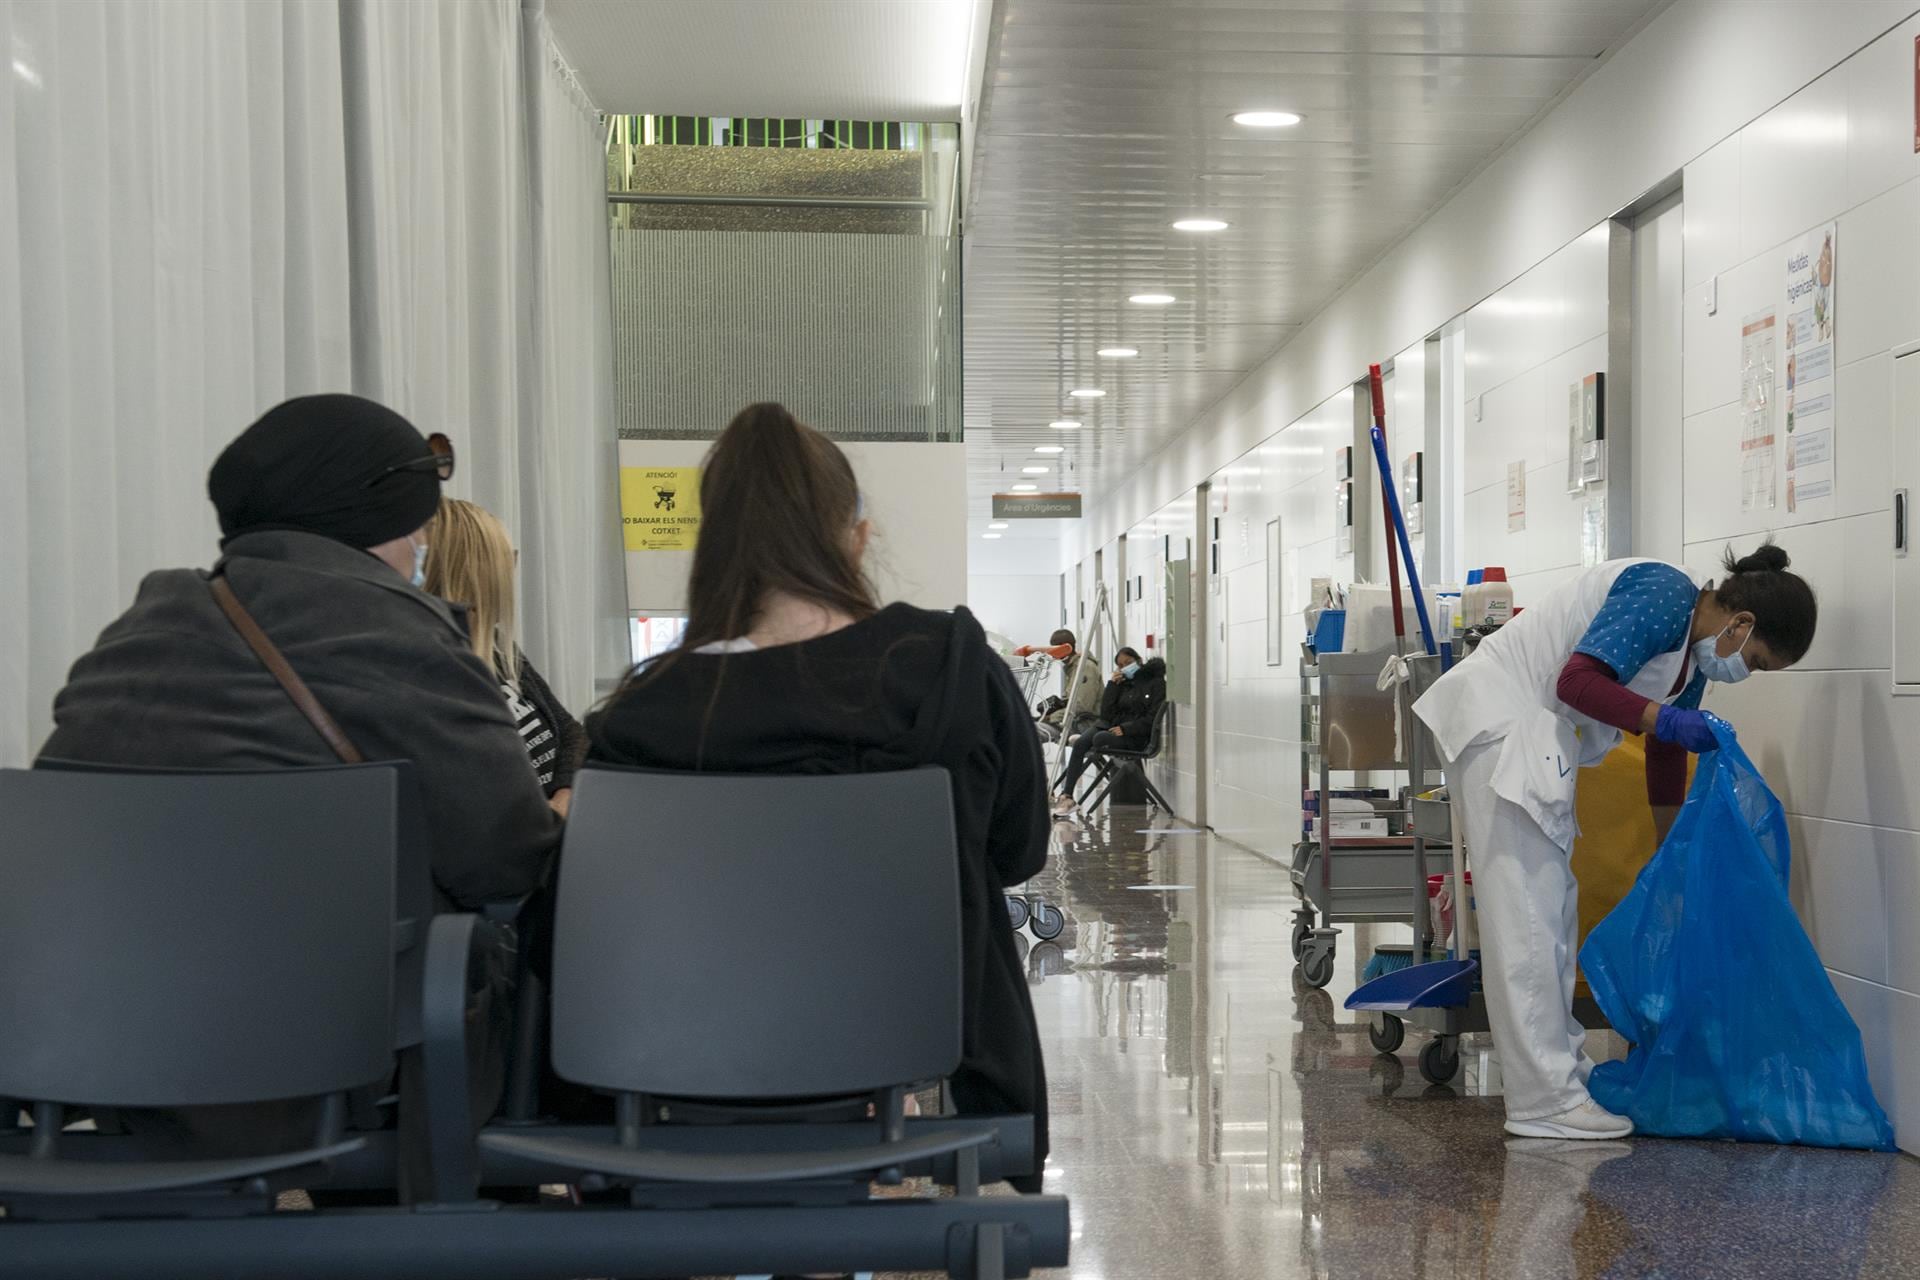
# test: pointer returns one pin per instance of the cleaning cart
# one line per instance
(1353, 864)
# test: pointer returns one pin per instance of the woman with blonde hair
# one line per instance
(470, 564)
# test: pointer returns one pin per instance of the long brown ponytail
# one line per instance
(778, 504)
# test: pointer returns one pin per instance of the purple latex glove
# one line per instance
(1686, 728)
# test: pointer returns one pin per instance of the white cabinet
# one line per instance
(1905, 533)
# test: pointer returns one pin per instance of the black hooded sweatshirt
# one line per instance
(1130, 705)
(902, 689)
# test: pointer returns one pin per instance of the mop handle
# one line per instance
(1391, 492)
(1386, 521)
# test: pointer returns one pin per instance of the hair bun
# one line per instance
(1766, 558)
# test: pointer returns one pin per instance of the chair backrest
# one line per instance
(1157, 736)
(767, 936)
(179, 939)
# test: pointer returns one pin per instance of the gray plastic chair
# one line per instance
(705, 948)
(185, 940)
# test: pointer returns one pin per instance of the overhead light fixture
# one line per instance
(1065, 424)
(1086, 393)
(1117, 353)
(1035, 471)
(1151, 299)
(1050, 448)
(990, 537)
(1026, 488)
(998, 526)
(1267, 119)
(1200, 224)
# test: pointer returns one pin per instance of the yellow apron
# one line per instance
(1616, 830)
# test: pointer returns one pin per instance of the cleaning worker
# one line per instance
(1627, 646)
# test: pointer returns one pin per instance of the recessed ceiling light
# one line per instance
(1117, 353)
(1026, 488)
(1050, 448)
(1151, 299)
(1267, 119)
(997, 526)
(990, 537)
(1035, 471)
(1200, 224)
(1087, 393)
(1065, 424)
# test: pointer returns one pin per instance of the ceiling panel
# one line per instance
(809, 59)
(1104, 120)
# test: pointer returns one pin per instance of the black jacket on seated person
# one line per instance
(1130, 705)
(904, 688)
(171, 684)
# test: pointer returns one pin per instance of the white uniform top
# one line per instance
(1508, 691)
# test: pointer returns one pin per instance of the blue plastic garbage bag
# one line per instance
(1736, 1029)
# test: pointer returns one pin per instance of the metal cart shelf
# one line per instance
(1348, 726)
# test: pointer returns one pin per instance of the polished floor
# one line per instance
(1213, 1117)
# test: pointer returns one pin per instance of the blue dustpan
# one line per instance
(1439, 984)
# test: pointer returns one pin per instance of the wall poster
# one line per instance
(660, 508)
(1756, 412)
(1516, 496)
(1807, 399)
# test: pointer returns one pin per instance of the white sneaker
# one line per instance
(1588, 1122)
(1063, 805)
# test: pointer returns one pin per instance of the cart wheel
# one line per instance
(1386, 1033)
(1048, 921)
(1301, 929)
(1017, 912)
(1317, 967)
(1440, 1060)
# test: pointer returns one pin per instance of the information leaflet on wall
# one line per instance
(1756, 412)
(1807, 401)
(660, 507)
(1516, 496)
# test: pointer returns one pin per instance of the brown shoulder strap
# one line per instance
(276, 663)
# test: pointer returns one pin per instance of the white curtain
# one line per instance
(207, 206)
(173, 260)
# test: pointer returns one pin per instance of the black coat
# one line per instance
(902, 689)
(1130, 705)
(171, 683)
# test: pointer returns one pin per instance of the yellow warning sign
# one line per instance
(660, 507)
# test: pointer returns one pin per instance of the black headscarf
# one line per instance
(307, 463)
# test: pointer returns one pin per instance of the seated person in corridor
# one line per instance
(1127, 708)
(790, 665)
(470, 563)
(1080, 682)
(322, 503)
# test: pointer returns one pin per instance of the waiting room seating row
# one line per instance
(238, 979)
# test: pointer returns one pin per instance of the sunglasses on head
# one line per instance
(439, 461)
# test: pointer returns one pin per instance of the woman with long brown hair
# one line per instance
(471, 562)
(790, 665)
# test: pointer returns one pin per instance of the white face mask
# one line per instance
(1731, 669)
(419, 578)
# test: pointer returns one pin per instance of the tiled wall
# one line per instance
(1829, 735)
(1254, 715)
(1524, 346)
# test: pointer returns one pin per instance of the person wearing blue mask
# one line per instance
(1625, 647)
(1127, 707)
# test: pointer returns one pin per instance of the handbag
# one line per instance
(276, 664)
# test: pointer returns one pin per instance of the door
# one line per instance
(1906, 548)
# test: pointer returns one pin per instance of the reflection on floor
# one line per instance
(1214, 1118)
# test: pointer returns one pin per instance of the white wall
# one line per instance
(1829, 736)
(1697, 73)
(1524, 346)
(1023, 607)
(916, 496)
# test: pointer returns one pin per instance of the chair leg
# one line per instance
(522, 1105)
(1154, 797)
(989, 1252)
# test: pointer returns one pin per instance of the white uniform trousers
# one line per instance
(1526, 905)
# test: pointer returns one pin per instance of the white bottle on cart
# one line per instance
(1488, 602)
